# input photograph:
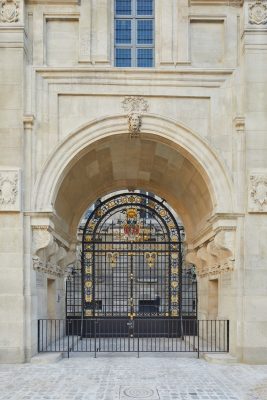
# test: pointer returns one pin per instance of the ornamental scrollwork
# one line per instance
(9, 11)
(258, 13)
(135, 104)
(215, 257)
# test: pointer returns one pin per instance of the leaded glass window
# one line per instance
(134, 33)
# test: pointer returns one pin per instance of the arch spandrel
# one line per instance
(167, 159)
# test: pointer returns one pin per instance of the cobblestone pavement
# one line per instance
(125, 377)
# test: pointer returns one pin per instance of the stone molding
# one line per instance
(10, 183)
(9, 11)
(28, 121)
(216, 256)
(233, 3)
(257, 191)
(239, 123)
(257, 13)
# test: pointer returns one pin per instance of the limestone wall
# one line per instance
(64, 141)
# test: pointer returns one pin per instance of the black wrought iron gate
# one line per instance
(132, 281)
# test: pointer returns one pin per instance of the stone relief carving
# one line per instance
(258, 13)
(135, 106)
(9, 190)
(258, 193)
(134, 124)
(9, 11)
(216, 256)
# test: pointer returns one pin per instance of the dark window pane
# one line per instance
(123, 57)
(144, 57)
(123, 7)
(144, 7)
(123, 31)
(144, 31)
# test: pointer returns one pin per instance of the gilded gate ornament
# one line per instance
(150, 259)
(112, 257)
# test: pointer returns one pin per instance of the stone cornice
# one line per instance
(183, 77)
(53, 2)
(233, 3)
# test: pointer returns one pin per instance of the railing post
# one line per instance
(38, 333)
(95, 337)
(228, 334)
(68, 336)
(197, 338)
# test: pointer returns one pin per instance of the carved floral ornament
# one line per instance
(258, 13)
(9, 11)
(135, 107)
(258, 193)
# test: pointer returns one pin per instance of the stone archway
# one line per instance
(167, 159)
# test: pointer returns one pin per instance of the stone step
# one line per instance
(217, 358)
(46, 358)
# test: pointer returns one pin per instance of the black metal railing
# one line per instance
(123, 335)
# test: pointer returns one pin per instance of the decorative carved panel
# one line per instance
(9, 190)
(9, 11)
(258, 13)
(257, 192)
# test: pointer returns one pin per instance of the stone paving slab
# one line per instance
(151, 377)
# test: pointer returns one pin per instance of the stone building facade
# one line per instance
(191, 128)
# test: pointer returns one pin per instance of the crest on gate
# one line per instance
(131, 227)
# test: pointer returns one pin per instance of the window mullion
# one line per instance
(134, 33)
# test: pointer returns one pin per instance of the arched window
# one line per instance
(134, 33)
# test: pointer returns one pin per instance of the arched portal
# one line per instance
(132, 268)
(167, 159)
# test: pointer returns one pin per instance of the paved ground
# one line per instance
(125, 377)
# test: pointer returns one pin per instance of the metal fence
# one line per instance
(123, 335)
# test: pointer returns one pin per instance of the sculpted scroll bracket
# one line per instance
(215, 256)
(48, 253)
